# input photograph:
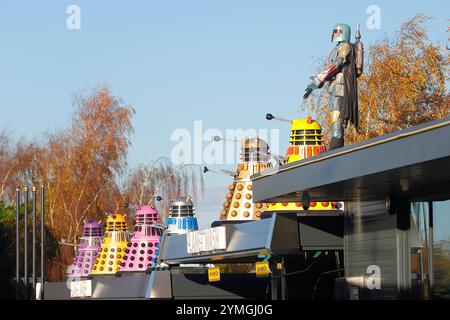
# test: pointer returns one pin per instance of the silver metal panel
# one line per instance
(370, 239)
(56, 291)
(160, 285)
(124, 287)
(276, 235)
(131, 286)
(321, 233)
(283, 234)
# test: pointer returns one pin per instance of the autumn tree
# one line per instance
(404, 84)
(162, 178)
(79, 165)
(17, 165)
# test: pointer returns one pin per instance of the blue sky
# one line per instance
(226, 63)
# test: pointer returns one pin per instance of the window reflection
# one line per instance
(439, 278)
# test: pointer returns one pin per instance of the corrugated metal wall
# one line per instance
(370, 239)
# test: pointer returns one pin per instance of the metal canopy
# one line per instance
(276, 235)
(124, 286)
(410, 164)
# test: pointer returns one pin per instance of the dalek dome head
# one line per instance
(181, 207)
(146, 215)
(116, 222)
(92, 229)
(254, 149)
(305, 132)
(181, 217)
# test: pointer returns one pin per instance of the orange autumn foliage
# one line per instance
(79, 166)
(82, 168)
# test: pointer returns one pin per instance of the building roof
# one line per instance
(410, 164)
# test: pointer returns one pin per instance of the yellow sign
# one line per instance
(262, 269)
(213, 274)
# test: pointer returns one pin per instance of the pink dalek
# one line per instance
(142, 250)
(90, 245)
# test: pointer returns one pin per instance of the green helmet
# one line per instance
(341, 32)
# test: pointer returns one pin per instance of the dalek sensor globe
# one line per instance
(239, 204)
(181, 217)
(115, 242)
(143, 249)
(88, 250)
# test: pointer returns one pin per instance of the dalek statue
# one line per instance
(142, 250)
(305, 141)
(255, 158)
(181, 217)
(89, 248)
(115, 242)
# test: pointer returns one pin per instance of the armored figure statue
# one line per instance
(345, 64)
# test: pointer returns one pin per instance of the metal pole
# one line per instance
(274, 282)
(283, 281)
(25, 258)
(42, 238)
(34, 244)
(338, 262)
(430, 248)
(17, 242)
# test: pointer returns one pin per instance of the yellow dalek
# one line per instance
(114, 245)
(305, 141)
(255, 158)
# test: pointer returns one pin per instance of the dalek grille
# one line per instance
(92, 232)
(182, 211)
(116, 226)
(254, 149)
(306, 137)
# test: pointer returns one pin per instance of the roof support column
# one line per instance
(403, 249)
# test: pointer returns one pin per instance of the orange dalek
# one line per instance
(114, 244)
(239, 204)
(305, 141)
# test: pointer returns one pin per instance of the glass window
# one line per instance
(440, 247)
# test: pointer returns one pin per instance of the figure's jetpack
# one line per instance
(359, 52)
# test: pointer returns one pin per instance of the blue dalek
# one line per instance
(181, 217)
